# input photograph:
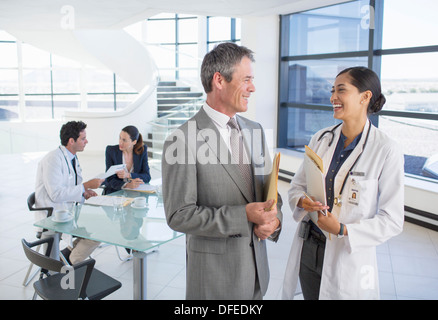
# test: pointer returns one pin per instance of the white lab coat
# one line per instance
(55, 181)
(350, 263)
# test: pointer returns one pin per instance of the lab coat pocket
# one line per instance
(360, 200)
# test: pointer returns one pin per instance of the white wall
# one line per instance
(261, 34)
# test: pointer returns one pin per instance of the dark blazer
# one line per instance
(113, 155)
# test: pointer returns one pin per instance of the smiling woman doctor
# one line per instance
(364, 178)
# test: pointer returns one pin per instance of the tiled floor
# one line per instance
(408, 263)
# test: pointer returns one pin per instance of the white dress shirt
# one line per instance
(220, 120)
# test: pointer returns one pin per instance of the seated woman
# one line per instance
(132, 152)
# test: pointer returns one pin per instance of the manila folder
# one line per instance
(315, 185)
(270, 188)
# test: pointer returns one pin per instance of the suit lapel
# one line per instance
(220, 150)
(119, 156)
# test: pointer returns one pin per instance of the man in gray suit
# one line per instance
(214, 168)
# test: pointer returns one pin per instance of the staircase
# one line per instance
(170, 96)
(175, 105)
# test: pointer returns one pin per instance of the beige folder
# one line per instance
(315, 180)
(270, 188)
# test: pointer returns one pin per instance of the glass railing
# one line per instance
(165, 125)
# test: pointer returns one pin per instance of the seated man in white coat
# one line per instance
(59, 179)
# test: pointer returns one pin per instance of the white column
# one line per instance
(261, 35)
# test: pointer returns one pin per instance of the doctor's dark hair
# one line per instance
(366, 79)
(223, 58)
(134, 134)
(71, 129)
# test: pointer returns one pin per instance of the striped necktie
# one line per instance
(239, 156)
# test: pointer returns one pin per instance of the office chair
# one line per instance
(89, 283)
(31, 206)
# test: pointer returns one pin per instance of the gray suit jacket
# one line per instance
(205, 198)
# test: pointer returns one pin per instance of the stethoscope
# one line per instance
(70, 175)
(332, 132)
(337, 201)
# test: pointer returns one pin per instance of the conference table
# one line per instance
(139, 229)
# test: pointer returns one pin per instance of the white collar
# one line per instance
(219, 118)
(69, 155)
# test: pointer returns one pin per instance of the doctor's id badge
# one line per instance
(354, 192)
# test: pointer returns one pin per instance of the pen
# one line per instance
(306, 195)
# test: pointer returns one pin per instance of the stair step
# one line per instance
(166, 107)
(177, 101)
(172, 89)
(167, 83)
(177, 95)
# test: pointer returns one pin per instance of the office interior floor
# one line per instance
(408, 263)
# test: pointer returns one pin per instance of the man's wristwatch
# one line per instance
(341, 231)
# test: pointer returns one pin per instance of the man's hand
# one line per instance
(93, 184)
(255, 212)
(265, 230)
(89, 193)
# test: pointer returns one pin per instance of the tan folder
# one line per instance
(315, 180)
(270, 188)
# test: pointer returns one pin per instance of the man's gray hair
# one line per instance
(223, 58)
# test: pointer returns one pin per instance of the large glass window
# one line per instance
(174, 45)
(409, 24)
(222, 29)
(328, 30)
(173, 42)
(315, 46)
(393, 38)
(9, 89)
(51, 84)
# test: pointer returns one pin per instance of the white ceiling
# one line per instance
(106, 14)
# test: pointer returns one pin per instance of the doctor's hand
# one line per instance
(311, 205)
(88, 194)
(255, 212)
(93, 183)
(330, 223)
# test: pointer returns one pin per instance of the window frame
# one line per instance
(374, 55)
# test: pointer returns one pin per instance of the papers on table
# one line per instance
(313, 167)
(270, 188)
(112, 170)
(147, 188)
(107, 201)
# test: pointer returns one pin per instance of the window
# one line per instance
(392, 37)
(53, 84)
(173, 40)
(9, 93)
(221, 29)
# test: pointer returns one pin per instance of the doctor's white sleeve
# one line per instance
(54, 179)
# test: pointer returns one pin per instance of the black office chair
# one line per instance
(31, 206)
(90, 283)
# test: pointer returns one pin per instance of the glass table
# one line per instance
(139, 229)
